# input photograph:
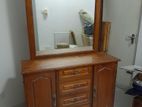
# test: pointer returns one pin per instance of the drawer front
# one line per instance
(75, 100)
(72, 73)
(74, 87)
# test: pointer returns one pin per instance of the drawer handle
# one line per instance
(77, 72)
(75, 99)
(54, 100)
(73, 103)
(80, 85)
(71, 73)
(76, 85)
(94, 92)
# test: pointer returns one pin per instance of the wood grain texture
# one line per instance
(63, 52)
(73, 81)
(97, 43)
(104, 85)
(74, 74)
(137, 101)
(39, 90)
(30, 25)
(77, 100)
(76, 91)
(53, 64)
(105, 35)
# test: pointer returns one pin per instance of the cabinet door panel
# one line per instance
(104, 85)
(39, 90)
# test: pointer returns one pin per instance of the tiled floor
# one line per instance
(121, 99)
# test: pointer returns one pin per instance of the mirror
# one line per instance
(61, 27)
(63, 24)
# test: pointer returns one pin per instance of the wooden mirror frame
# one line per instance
(96, 36)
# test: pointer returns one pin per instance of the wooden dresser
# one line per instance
(70, 81)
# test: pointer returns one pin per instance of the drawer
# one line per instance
(75, 100)
(74, 73)
(74, 87)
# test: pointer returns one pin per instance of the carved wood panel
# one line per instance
(104, 85)
(39, 90)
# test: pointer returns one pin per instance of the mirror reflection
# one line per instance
(63, 24)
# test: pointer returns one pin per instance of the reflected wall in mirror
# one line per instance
(63, 24)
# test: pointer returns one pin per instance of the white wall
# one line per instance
(138, 59)
(13, 48)
(63, 16)
(124, 15)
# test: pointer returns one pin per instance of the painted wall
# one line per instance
(138, 59)
(63, 16)
(124, 15)
(13, 48)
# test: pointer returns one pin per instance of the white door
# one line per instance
(124, 15)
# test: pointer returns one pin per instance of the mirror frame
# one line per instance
(96, 36)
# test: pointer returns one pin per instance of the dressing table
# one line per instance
(76, 77)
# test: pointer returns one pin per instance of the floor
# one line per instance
(121, 99)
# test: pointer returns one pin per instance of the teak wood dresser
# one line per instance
(86, 80)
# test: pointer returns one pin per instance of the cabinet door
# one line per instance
(40, 90)
(104, 85)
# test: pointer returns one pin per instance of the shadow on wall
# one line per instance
(12, 95)
(20, 105)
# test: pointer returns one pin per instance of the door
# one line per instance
(124, 16)
(104, 85)
(40, 90)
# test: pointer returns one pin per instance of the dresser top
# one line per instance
(58, 63)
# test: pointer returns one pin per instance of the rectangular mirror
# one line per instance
(61, 27)
(63, 24)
